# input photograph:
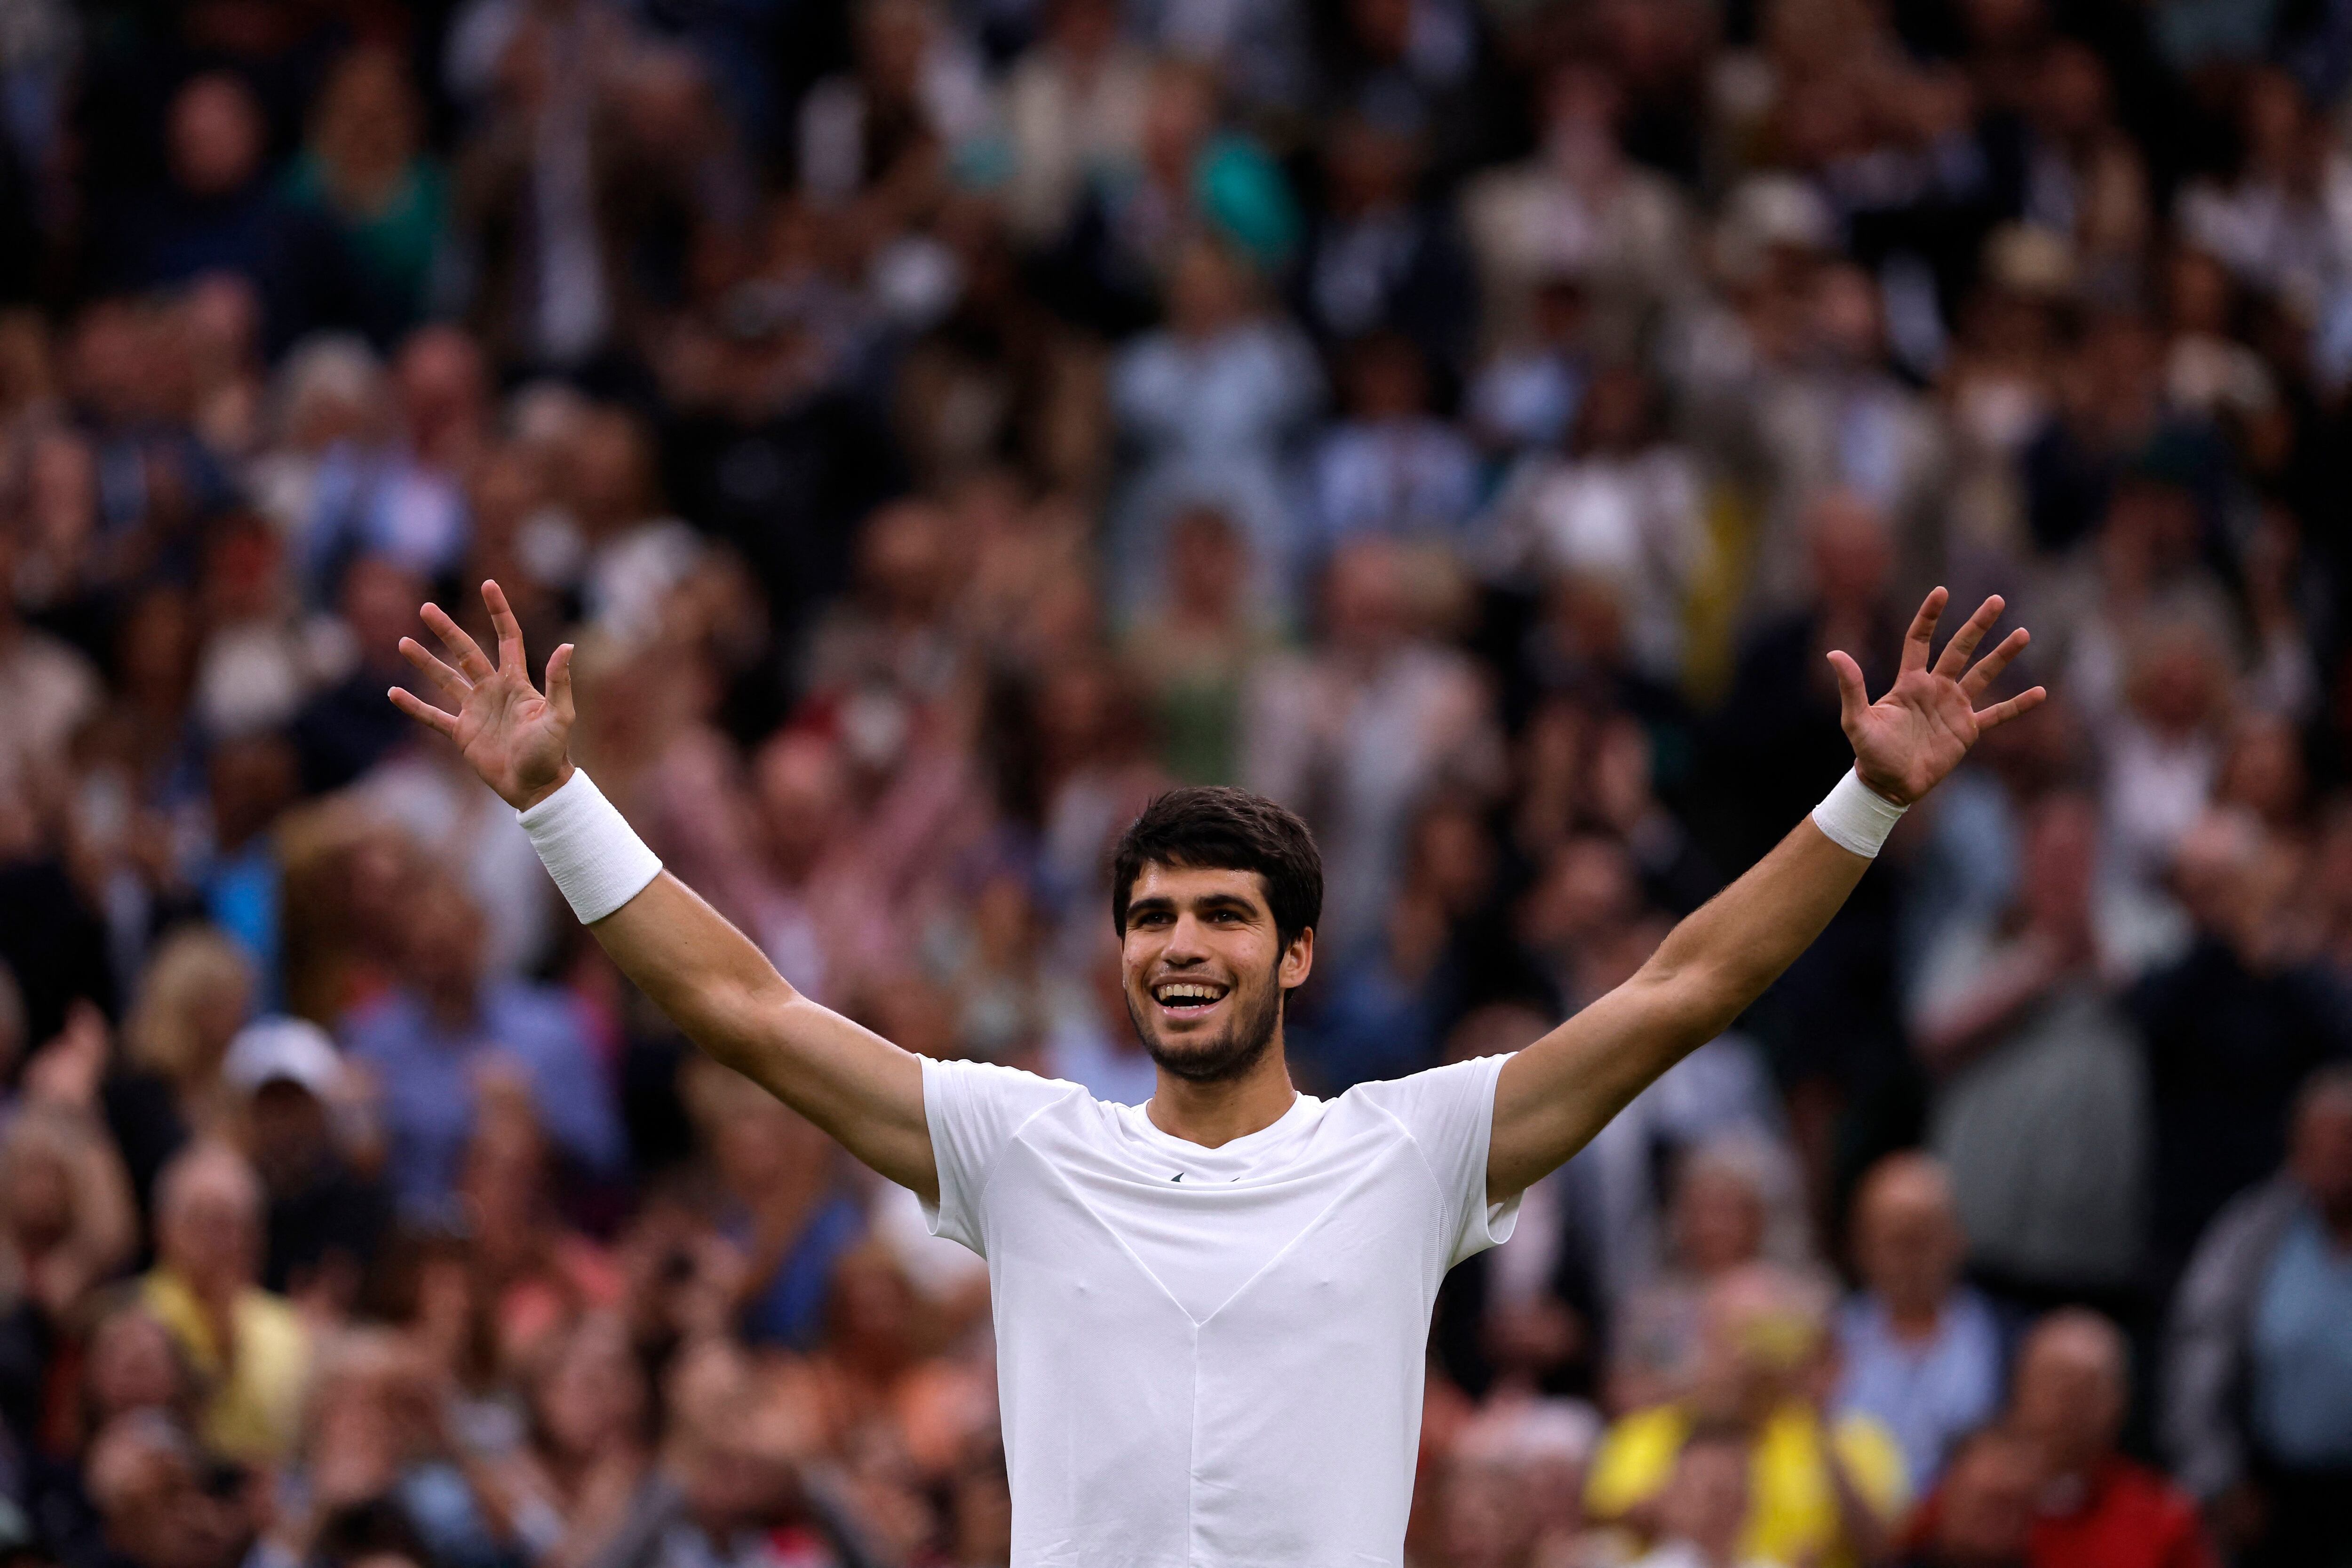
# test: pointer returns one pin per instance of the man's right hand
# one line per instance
(515, 737)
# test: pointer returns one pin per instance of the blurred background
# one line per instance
(943, 423)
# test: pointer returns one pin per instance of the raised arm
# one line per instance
(702, 972)
(1555, 1095)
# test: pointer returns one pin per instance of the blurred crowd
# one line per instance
(942, 423)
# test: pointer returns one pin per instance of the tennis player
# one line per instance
(1210, 1308)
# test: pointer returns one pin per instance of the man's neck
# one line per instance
(1914, 1320)
(1214, 1114)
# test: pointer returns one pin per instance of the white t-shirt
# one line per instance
(1213, 1358)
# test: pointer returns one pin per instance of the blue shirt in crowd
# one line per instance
(1927, 1393)
(428, 1076)
(2303, 1350)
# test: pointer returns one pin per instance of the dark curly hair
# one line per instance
(1217, 827)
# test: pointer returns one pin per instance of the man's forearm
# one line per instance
(1722, 957)
(1555, 1095)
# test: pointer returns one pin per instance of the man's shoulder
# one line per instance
(1449, 1081)
(1006, 1088)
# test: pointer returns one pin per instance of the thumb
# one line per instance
(558, 683)
(1854, 698)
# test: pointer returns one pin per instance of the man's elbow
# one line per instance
(1691, 1004)
(728, 1018)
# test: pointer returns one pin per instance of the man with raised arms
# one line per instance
(1210, 1308)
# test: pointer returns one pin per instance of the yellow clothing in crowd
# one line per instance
(254, 1407)
(1792, 1512)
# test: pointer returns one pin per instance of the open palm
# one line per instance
(1904, 742)
(517, 739)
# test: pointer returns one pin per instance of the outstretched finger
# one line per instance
(559, 681)
(1853, 697)
(2000, 713)
(1963, 645)
(1977, 682)
(502, 621)
(1916, 641)
(424, 712)
(460, 643)
(433, 669)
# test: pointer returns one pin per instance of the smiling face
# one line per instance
(1205, 969)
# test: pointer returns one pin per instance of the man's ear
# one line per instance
(1297, 959)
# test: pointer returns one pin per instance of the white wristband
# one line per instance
(598, 861)
(1857, 817)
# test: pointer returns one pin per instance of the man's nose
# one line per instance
(1185, 945)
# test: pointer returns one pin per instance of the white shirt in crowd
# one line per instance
(1212, 1357)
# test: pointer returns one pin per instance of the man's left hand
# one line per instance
(1905, 742)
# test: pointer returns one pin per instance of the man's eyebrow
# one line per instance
(1161, 903)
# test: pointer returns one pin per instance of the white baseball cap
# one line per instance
(293, 1049)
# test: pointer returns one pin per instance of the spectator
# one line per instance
(2233, 1027)
(1917, 1349)
(888, 129)
(67, 1226)
(1194, 653)
(48, 688)
(364, 171)
(2042, 1114)
(247, 1345)
(326, 1220)
(167, 1087)
(1509, 1495)
(590, 1424)
(1525, 398)
(432, 1040)
(2099, 1509)
(220, 214)
(1983, 1510)
(1378, 260)
(1074, 108)
(1391, 466)
(1380, 709)
(151, 1487)
(443, 808)
(2255, 1420)
(1621, 506)
(548, 192)
(1821, 1488)
(240, 877)
(785, 1206)
(1210, 403)
(1705, 1505)
(377, 1440)
(399, 493)
(1722, 1212)
(1578, 207)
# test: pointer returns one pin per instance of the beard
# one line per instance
(1223, 1056)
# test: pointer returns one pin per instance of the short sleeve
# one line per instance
(973, 1108)
(1449, 1112)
